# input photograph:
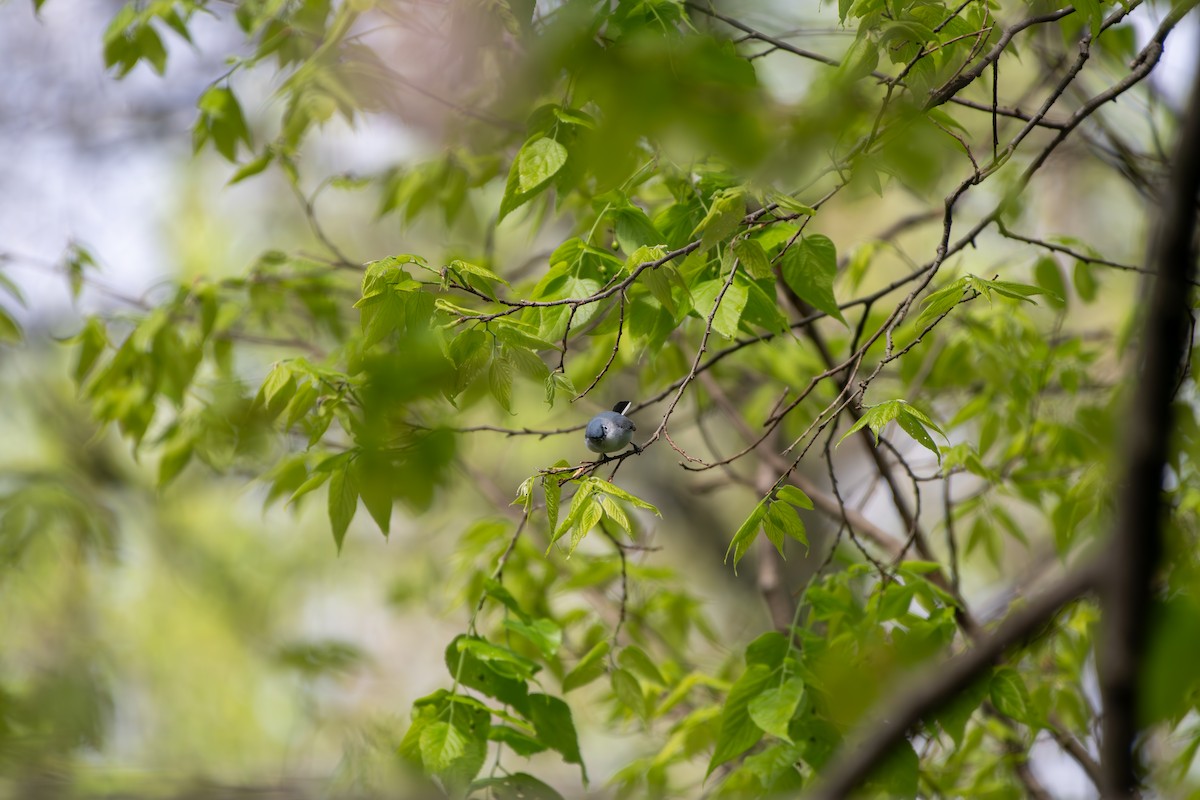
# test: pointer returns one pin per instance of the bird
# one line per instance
(610, 431)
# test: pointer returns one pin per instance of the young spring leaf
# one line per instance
(535, 166)
(753, 258)
(551, 719)
(809, 267)
(629, 692)
(729, 312)
(723, 218)
(795, 496)
(773, 709)
(941, 301)
(604, 487)
(746, 533)
(343, 502)
(738, 732)
(441, 744)
(588, 518)
(590, 667)
(544, 634)
(785, 519)
(538, 162)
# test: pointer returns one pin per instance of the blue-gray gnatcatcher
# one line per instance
(610, 431)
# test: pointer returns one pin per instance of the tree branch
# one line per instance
(1136, 547)
(942, 682)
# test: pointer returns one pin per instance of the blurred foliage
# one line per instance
(779, 250)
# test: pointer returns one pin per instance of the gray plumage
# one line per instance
(610, 431)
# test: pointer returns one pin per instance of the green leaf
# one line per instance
(795, 496)
(552, 490)
(544, 634)
(1085, 281)
(912, 411)
(941, 301)
(516, 336)
(809, 267)
(953, 716)
(723, 218)
(278, 388)
(875, 417)
(465, 667)
(897, 775)
(1050, 278)
(151, 46)
(753, 258)
(311, 483)
(471, 352)
(475, 269)
(501, 659)
(381, 313)
(343, 502)
(496, 591)
(774, 533)
(500, 378)
(789, 203)
(441, 744)
(636, 234)
(376, 488)
(174, 458)
(894, 600)
(729, 313)
(588, 519)
(738, 732)
(1014, 291)
(551, 719)
(746, 534)
(615, 513)
(538, 162)
(1010, 696)
(860, 60)
(590, 667)
(583, 497)
(913, 427)
(777, 768)
(252, 168)
(920, 567)
(528, 363)
(604, 487)
(769, 649)
(92, 340)
(221, 120)
(1168, 681)
(575, 116)
(659, 284)
(635, 659)
(762, 308)
(773, 709)
(520, 743)
(524, 497)
(518, 786)
(628, 690)
(785, 519)
(558, 382)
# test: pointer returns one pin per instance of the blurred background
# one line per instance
(189, 639)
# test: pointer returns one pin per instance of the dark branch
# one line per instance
(942, 682)
(1136, 547)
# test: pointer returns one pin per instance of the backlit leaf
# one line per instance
(809, 267)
